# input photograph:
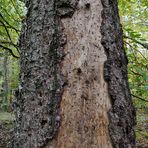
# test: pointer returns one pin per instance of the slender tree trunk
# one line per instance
(74, 91)
(6, 89)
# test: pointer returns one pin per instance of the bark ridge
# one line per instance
(122, 114)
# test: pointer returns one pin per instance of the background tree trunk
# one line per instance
(74, 90)
(5, 83)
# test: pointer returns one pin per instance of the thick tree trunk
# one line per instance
(74, 91)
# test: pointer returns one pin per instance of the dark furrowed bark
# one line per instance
(41, 82)
(122, 114)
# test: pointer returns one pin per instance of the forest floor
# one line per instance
(7, 123)
(6, 128)
(142, 128)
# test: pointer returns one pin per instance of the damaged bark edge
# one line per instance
(42, 83)
(122, 114)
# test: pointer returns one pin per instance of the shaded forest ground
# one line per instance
(6, 128)
(7, 124)
(142, 128)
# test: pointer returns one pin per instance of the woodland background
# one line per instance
(134, 20)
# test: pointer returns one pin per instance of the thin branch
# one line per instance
(6, 30)
(10, 51)
(9, 24)
(7, 42)
(10, 43)
(138, 74)
(142, 44)
(15, 8)
(9, 36)
(142, 55)
(136, 50)
(132, 51)
(139, 98)
(11, 16)
(134, 54)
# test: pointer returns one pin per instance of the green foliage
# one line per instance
(134, 16)
(6, 120)
(134, 20)
(11, 14)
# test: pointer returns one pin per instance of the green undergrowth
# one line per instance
(142, 128)
(6, 120)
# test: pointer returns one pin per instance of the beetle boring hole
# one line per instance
(40, 103)
(43, 122)
(79, 71)
(87, 6)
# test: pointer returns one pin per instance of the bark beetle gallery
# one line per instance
(74, 90)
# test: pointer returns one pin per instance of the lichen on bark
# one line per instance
(122, 113)
(41, 81)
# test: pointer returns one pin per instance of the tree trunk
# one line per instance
(73, 91)
(5, 83)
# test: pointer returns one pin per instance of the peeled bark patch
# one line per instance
(85, 101)
(122, 113)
